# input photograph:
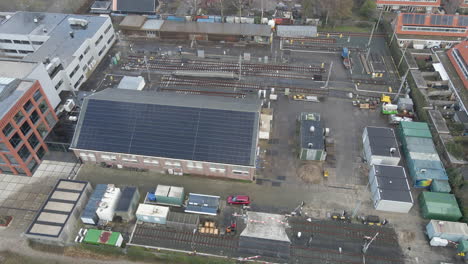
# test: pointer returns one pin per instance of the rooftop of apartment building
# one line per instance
(63, 38)
(11, 91)
(432, 21)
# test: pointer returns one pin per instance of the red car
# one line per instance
(238, 199)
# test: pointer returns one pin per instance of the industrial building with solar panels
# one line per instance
(169, 133)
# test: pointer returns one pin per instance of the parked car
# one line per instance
(238, 199)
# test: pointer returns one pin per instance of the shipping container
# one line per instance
(442, 186)
(166, 195)
(439, 206)
(101, 237)
(152, 213)
(380, 146)
(127, 204)
(176, 18)
(453, 231)
(89, 215)
(423, 172)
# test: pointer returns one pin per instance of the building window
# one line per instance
(25, 128)
(2, 161)
(102, 50)
(32, 165)
(81, 57)
(37, 42)
(3, 147)
(24, 42)
(217, 168)
(25, 51)
(18, 117)
(20, 171)
(151, 161)
(5, 41)
(34, 117)
(86, 157)
(110, 39)
(37, 95)
(24, 153)
(43, 106)
(40, 153)
(194, 165)
(11, 159)
(28, 106)
(86, 50)
(15, 140)
(41, 128)
(57, 86)
(9, 50)
(74, 71)
(107, 29)
(7, 130)
(5, 169)
(172, 163)
(78, 82)
(50, 120)
(130, 159)
(99, 40)
(109, 157)
(33, 141)
(85, 67)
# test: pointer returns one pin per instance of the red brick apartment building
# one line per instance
(430, 30)
(408, 6)
(26, 117)
(458, 55)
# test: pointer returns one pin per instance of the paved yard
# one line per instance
(21, 196)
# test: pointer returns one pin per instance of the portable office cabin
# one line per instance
(106, 209)
(89, 215)
(453, 231)
(152, 213)
(169, 195)
(390, 189)
(442, 186)
(312, 139)
(101, 237)
(202, 204)
(420, 148)
(423, 172)
(439, 206)
(380, 146)
(128, 203)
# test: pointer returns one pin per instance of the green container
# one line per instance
(441, 186)
(462, 246)
(414, 125)
(439, 206)
(420, 145)
(169, 195)
(98, 237)
(411, 132)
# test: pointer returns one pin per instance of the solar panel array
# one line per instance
(89, 213)
(463, 21)
(441, 20)
(416, 19)
(212, 135)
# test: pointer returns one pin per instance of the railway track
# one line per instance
(320, 255)
(319, 47)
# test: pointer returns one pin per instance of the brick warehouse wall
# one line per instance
(163, 165)
(10, 159)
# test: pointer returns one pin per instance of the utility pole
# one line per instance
(403, 80)
(369, 43)
(240, 11)
(222, 11)
(261, 20)
(402, 57)
(147, 68)
(329, 73)
(368, 243)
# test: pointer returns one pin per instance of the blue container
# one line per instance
(206, 20)
(175, 18)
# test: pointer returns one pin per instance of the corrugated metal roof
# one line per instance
(297, 31)
(152, 24)
(202, 204)
(216, 28)
(132, 22)
(140, 6)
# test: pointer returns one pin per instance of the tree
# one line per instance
(367, 8)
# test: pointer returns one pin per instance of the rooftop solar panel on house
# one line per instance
(417, 19)
(463, 21)
(441, 20)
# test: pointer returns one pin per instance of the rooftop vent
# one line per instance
(310, 145)
(36, 20)
(423, 170)
(44, 30)
(312, 129)
(77, 22)
(392, 150)
(72, 34)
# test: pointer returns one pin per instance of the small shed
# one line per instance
(202, 204)
(380, 146)
(453, 231)
(89, 215)
(182, 221)
(102, 237)
(265, 235)
(439, 206)
(442, 186)
(132, 83)
(128, 203)
(390, 189)
(284, 31)
(152, 213)
(312, 137)
(169, 195)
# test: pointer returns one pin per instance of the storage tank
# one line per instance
(106, 209)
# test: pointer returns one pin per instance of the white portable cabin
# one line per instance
(390, 189)
(380, 146)
(453, 231)
(106, 209)
(152, 213)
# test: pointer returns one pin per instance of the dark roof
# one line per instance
(138, 6)
(392, 183)
(381, 140)
(93, 202)
(11, 91)
(182, 218)
(188, 127)
(202, 204)
(316, 137)
(216, 28)
(128, 194)
(462, 116)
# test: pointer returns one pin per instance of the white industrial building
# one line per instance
(380, 146)
(106, 209)
(69, 46)
(152, 213)
(132, 83)
(390, 189)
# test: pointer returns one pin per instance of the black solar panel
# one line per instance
(441, 20)
(463, 21)
(410, 19)
(220, 136)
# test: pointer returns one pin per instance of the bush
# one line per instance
(455, 149)
(103, 249)
(141, 254)
(367, 8)
(455, 178)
